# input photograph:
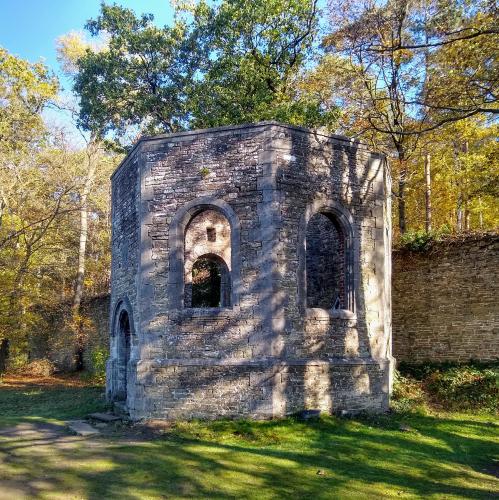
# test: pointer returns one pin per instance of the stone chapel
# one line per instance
(250, 275)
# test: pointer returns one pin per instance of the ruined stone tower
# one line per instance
(250, 275)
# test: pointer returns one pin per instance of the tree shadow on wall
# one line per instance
(337, 169)
(223, 334)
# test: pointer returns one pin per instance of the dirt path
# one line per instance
(27, 444)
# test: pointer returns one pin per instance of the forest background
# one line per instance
(415, 79)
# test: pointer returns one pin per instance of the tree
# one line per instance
(40, 241)
(31, 238)
(139, 81)
(397, 51)
(25, 90)
(231, 62)
(95, 162)
(259, 52)
(96, 167)
(464, 178)
(54, 197)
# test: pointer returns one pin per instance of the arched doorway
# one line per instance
(124, 340)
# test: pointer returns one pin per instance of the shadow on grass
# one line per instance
(57, 398)
(449, 457)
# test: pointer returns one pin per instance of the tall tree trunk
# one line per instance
(4, 354)
(459, 201)
(2, 208)
(82, 250)
(467, 218)
(462, 201)
(427, 159)
(18, 282)
(427, 176)
(466, 195)
(80, 275)
(401, 191)
(459, 213)
(480, 213)
(17, 318)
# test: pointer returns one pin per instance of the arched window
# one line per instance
(207, 258)
(203, 226)
(210, 282)
(328, 264)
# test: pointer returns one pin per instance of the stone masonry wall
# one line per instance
(421, 283)
(446, 301)
(267, 354)
(55, 341)
(312, 174)
(125, 266)
(125, 243)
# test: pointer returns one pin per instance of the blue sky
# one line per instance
(29, 29)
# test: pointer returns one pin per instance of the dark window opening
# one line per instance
(325, 263)
(211, 234)
(210, 282)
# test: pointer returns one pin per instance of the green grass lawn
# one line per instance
(403, 456)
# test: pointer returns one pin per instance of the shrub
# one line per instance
(420, 241)
(99, 357)
(408, 394)
(38, 368)
(450, 386)
(205, 171)
(466, 388)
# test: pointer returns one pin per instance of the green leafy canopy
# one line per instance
(228, 63)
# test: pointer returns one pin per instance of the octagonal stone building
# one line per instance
(250, 275)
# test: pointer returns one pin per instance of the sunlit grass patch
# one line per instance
(399, 455)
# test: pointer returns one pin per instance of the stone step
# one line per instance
(82, 428)
(119, 408)
(104, 417)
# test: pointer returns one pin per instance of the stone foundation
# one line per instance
(191, 389)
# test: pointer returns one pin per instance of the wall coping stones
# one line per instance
(191, 134)
(451, 241)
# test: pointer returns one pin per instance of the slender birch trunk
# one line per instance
(402, 182)
(459, 201)
(480, 213)
(82, 250)
(427, 175)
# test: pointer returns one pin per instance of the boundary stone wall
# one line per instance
(444, 307)
(446, 301)
(53, 339)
